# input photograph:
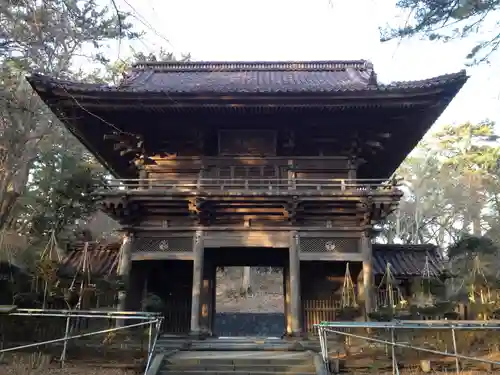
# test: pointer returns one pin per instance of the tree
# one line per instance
(45, 37)
(114, 72)
(447, 20)
(474, 267)
(59, 192)
(451, 185)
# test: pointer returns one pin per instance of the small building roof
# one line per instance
(101, 259)
(407, 260)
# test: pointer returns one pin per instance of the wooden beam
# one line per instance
(335, 257)
(238, 229)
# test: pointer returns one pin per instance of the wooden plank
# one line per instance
(240, 229)
(248, 239)
(343, 257)
(162, 255)
(333, 233)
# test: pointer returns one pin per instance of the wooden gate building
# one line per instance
(284, 164)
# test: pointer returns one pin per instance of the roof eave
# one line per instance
(61, 89)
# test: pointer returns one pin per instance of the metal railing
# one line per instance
(217, 184)
(389, 338)
(151, 320)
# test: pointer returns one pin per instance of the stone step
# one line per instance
(238, 363)
(241, 358)
(248, 367)
(253, 372)
(245, 345)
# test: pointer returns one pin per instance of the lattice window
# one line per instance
(329, 245)
(167, 244)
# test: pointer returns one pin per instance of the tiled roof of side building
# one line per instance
(407, 260)
(250, 78)
(101, 259)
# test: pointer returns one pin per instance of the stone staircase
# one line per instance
(238, 362)
(166, 344)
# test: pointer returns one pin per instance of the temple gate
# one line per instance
(252, 163)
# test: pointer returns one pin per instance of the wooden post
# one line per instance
(143, 176)
(123, 271)
(198, 252)
(286, 294)
(294, 269)
(291, 175)
(351, 173)
(366, 251)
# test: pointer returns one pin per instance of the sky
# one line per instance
(232, 30)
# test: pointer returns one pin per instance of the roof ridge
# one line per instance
(227, 66)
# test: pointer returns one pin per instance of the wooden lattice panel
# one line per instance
(167, 244)
(328, 245)
(247, 142)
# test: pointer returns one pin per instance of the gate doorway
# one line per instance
(249, 298)
(172, 282)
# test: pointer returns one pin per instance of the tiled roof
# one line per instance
(407, 260)
(249, 77)
(101, 259)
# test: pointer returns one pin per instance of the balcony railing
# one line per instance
(274, 185)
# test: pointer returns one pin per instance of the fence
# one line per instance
(129, 335)
(433, 345)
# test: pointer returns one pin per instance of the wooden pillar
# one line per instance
(124, 265)
(286, 294)
(206, 300)
(213, 298)
(135, 287)
(124, 268)
(294, 291)
(367, 272)
(198, 252)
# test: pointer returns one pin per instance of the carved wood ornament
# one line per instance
(131, 146)
(121, 209)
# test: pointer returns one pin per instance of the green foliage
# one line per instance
(449, 20)
(60, 191)
(153, 303)
(471, 246)
(114, 72)
(451, 185)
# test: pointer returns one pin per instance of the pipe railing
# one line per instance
(253, 184)
(339, 327)
(146, 319)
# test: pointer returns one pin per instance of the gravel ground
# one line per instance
(68, 370)
(20, 364)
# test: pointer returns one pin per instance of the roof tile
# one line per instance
(249, 77)
(101, 260)
(407, 260)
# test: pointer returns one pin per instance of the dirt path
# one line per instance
(266, 297)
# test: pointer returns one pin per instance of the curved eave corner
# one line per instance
(42, 86)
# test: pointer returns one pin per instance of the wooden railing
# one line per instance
(252, 184)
